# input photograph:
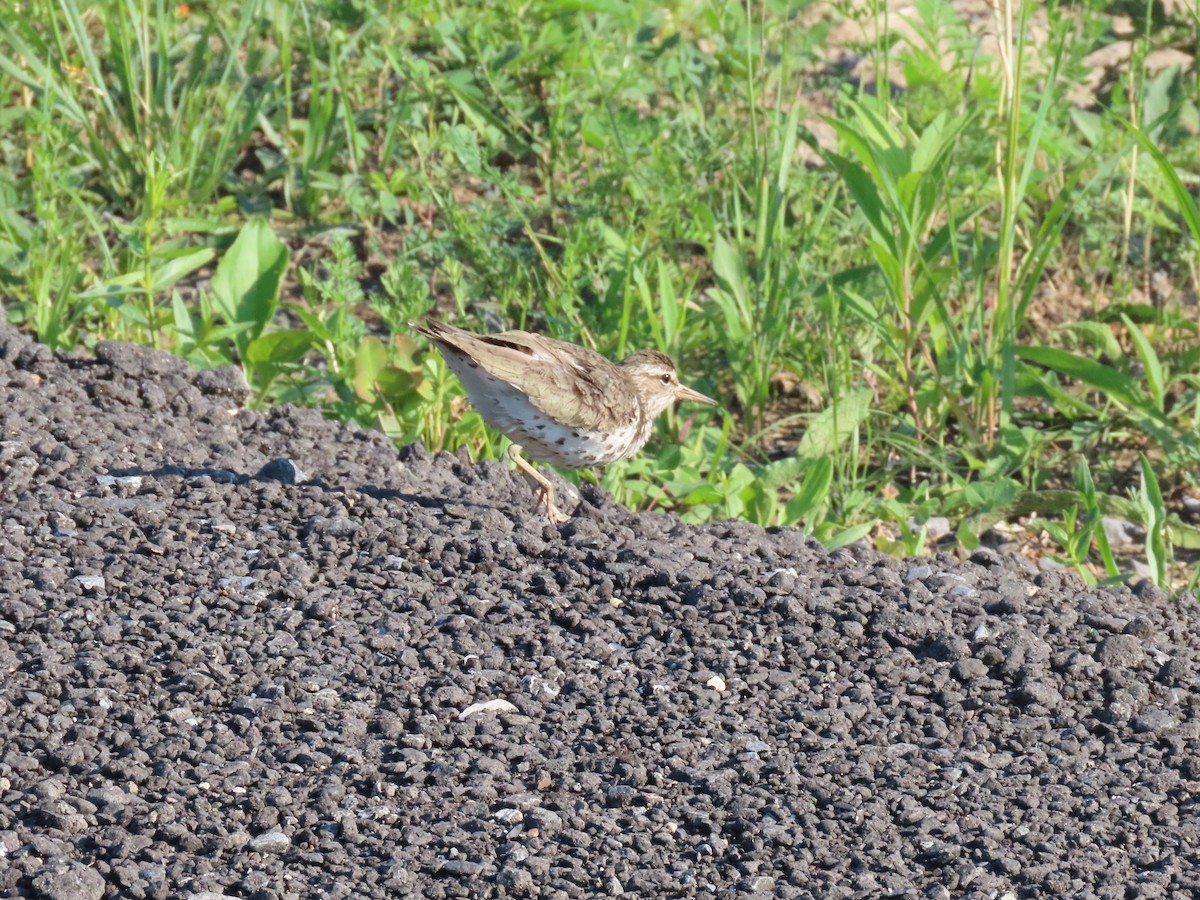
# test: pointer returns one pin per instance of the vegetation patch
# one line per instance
(938, 260)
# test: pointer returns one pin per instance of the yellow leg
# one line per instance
(545, 490)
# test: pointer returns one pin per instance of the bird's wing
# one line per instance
(572, 385)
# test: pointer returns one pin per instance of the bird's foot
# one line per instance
(545, 503)
(545, 490)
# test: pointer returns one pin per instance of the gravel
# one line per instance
(259, 654)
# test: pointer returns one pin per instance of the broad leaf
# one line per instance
(831, 427)
(278, 348)
(246, 285)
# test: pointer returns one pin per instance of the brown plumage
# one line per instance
(564, 404)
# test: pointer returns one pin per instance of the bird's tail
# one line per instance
(434, 329)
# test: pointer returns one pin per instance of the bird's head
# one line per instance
(653, 375)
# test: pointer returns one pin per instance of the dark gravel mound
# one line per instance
(353, 671)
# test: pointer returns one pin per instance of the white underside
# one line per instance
(507, 409)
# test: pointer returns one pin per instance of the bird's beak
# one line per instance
(686, 393)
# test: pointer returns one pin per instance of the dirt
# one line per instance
(258, 654)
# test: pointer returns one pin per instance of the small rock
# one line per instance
(335, 527)
(109, 796)
(487, 706)
(917, 573)
(717, 683)
(62, 879)
(620, 794)
(236, 583)
(1143, 571)
(547, 821)
(226, 381)
(536, 684)
(968, 669)
(1120, 650)
(1154, 721)
(1139, 627)
(757, 884)
(1120, 532)
(463, 868)
(513, 852)
(516, 880)
(133, 482)
(783, 579)
(282, 470)
(91, 583)
(270, 842)
(1038, 691)
(1147, 590)
(936, 527)
(986, 556)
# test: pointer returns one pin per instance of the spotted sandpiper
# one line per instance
(564, 404)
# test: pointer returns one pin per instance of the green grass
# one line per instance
(917, 297)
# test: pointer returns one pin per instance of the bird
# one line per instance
(557, 402)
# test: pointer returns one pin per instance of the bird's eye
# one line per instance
(665, 378)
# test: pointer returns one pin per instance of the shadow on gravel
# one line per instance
(282, 471)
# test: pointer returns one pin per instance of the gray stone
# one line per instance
(270, 842)
(63, 879)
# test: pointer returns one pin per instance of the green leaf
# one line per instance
(369, 361)
(246, 285)
(740, 477)
(1044, 385)
(967, 535)
(1103, 378)
(405, 350)
(848, 536)
(831, 427)
(1154, 371)
(1053, 502)
(181, 266)
(673, 313)
(703, 495)
(315, 323)
(131, 312)
(1090, 125)
(594, 130)
(615, 8)
(395, 384)
(278, 348)
(1156, 99)
(866, 196)
(1185, 537)
(1098, 336)
(1154, 513)
(1055, 531)
(1113, 384)
(1183, 198)
(730, 268)
(184, 327)
(480, 110)
(984, 496)
(1087, 490)
(813, 491)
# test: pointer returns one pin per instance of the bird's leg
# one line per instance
(545, 490)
